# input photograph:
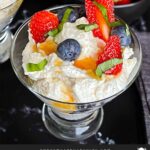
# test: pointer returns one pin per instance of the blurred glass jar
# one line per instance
(8, 9)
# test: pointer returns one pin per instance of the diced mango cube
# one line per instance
(88, 63)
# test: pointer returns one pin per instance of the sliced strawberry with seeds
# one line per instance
(95, 15)
(90, 11)
(115, 70)
(97, 33)
(103, 26)
(91, 16)
(111, 50)
(109, 5)
(42, 22)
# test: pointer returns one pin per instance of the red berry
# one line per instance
(115, 70)
(90, 11)
(109, 5)
(91, 16)
(122, 2)
(97, 33)
(41, 23)
(94, 15)
(111, 50)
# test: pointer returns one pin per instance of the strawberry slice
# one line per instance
(94, 15)
(103, 26)
(115, 70)
(111, 50)
(90, 11)
(41, 23)
(109, 5)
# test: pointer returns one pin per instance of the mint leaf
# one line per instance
(99, 72)
(87, 27)
(53, 33)
(116, 23)
(107, 65)
(36, 67)
(91, 27)
(65, 18)
(81, 26)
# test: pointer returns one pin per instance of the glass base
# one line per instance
(72, 130)
(5, 45)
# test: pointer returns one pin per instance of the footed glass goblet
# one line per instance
(68, 121)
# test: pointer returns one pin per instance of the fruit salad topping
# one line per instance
(100, 14)
(67, 50)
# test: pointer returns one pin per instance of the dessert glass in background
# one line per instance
(8, 9)
(68, 121)
(132, 9)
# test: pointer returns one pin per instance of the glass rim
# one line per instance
(10, 5)
(129, 83)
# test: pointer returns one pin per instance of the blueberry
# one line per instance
(121, 32)
(73, 16)
(69, 50)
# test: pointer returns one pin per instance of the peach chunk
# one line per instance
(47, 47)
(88, 63)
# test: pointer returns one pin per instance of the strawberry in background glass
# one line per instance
(122, 2)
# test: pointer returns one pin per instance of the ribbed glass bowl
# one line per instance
(68, 121)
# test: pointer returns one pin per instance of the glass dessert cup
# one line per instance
(68, 121)
(6, 17)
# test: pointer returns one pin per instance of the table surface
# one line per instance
(20, 110)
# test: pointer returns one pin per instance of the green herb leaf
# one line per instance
(65, 18)
(36, 67)
(99, 71)
(81, 26)
(53, 33)
(107, 65)
(102, 9)
(87, 27)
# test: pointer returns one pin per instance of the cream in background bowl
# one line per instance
(8, 8)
